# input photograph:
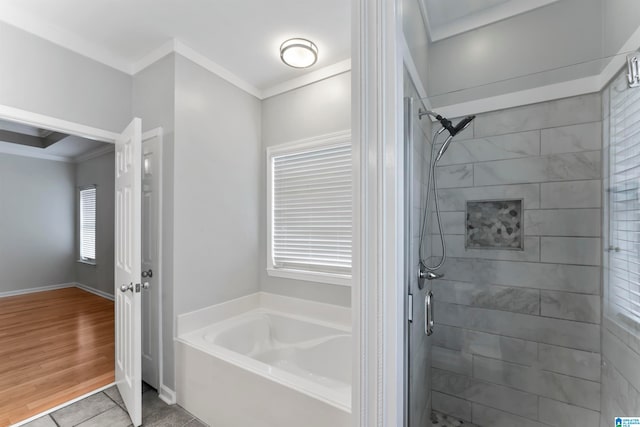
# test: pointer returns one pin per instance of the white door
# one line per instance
(127, 268)
(151, 240)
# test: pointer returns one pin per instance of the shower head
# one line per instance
(462, 125)
(446, 123)
(453, 131)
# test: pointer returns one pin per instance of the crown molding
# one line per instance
(307, 79)
(480, 19)
(215, 68)
(73, 42)
(101, 151)
(23, 151)
(61, 37)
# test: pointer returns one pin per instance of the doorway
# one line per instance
(128, 311)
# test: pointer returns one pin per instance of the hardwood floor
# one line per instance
(54, 346)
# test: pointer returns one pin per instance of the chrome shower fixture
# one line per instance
(446, 123)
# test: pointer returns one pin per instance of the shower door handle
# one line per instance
(428, 313)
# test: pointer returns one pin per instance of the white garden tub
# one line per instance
(268, 364)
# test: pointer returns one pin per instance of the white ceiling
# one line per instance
(241, 36)
(447, 18)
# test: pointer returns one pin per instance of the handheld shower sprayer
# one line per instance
(427, 270)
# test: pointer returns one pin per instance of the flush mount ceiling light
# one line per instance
(299, 53)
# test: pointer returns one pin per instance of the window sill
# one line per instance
(83, 261)
(326, 278)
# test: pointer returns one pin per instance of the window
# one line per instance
(310, 197)
(622, 213)
(88, 224)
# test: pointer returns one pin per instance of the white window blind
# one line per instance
(623, 273)
(311, 209)
(88, 224)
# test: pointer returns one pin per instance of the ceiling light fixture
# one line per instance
(299, 53)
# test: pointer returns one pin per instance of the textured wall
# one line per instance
(517, 340)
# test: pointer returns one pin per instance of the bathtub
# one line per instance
(271, 363)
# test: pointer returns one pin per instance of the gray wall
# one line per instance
(217, 161)
(153, 101)
(37, 215)
(39, 76)
(517, 338)
(99, 171)
(518, 46)
(320, 108)
(415, 34)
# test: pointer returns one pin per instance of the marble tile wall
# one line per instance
(518, 338)
(620, 345)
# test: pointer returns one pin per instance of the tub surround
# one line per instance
(517, 336)
(266, 360)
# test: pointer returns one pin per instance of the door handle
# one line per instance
(145, 285)
(428, 313)
(125, 288)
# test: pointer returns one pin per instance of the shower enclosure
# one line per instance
(523, 295)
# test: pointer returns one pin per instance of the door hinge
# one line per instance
(410, 308)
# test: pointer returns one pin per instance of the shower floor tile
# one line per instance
(441, 420)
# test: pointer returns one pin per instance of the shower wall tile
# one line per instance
(451, 360)
(455, 176)
(485, 416)
(560, 387)
(497, 396)
(620, 398)
(562, 112)
(529, 320)
(455, 199)
(518, 300)
(451, 405)
(578, 335)
(625, 360)
(557, 167)
(559, 414)
(563, 305)
(563, 222)
(571, 250)
(501, 147)
(577, 363)
(570, 139)
(557, 277)
(456, 249)
(486, 344)
(576, 194)
(452, 223)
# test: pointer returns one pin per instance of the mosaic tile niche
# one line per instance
(494, 224)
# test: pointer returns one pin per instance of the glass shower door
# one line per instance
(417, 343)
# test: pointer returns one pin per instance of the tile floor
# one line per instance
(441, 420)
(106, 409)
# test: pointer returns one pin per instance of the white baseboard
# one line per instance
(34, 290)
(167, 395)
(100, 293)
(55, 287)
